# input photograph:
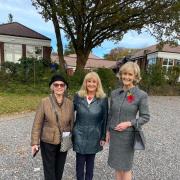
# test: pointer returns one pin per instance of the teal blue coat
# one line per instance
(90, 124)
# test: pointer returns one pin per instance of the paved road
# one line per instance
(160, 161)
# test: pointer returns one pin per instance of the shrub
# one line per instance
(10, 68)
(173, 75)
(108, 79)
(152, 77)
(76, 80)
(32, 69)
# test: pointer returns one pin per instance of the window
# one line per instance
(168, 63)
(171, 62)
(12, 52)
(177, 62)
(29, 51)
(165, 62)
(34, 51)
(152, 61)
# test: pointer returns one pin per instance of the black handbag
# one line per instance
(66, 141)
(139, 138)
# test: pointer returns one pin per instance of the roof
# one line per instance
(19, 30)
(152, 49)
(92, 62)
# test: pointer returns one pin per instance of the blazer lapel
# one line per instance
(121, 98)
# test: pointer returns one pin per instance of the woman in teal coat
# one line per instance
(89, 132)
(126, 103)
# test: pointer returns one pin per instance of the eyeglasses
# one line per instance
(56, 85)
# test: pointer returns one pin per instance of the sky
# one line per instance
(26, 14)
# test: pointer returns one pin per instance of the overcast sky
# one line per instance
(24, 13)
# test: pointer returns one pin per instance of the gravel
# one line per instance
(160, 160)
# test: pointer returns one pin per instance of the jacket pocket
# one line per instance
(47, 134)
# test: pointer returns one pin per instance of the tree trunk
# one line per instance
(82, 58)
(59, 44)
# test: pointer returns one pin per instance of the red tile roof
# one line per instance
(92, 62)
(19, 30)
(152, 49)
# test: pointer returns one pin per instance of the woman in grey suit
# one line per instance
(125, 103)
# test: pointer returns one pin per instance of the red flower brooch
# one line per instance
(130, 97)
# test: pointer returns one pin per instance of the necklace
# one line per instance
(90, 98)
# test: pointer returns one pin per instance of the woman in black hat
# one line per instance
(45, 130)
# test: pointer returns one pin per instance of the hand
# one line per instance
(122, 126)
(102, 143)
(107, 137)
(34, 149)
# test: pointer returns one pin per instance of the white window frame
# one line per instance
(33, 52)
(13, 50)
(167, 66)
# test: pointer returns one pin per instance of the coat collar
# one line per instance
(55, 100)
(131, 90)
(85, 100)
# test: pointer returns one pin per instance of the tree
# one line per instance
(10, 18)
(119, 53)
(69, 49)
(48, 9)
(87, 23)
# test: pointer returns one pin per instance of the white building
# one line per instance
(17, 41)
(168, 56)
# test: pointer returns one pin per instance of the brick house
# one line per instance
(17, 41)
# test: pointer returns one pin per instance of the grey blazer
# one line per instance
(122, 110)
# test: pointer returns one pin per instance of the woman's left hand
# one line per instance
(102, 143)
(122, 126)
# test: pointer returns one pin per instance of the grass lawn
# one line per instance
(13, 103)
(18, 98)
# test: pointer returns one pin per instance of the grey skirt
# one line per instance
(121, 153)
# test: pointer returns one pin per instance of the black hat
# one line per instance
(58, 78)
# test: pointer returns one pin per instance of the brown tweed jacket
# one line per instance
(45, 127)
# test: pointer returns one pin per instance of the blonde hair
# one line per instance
(131, 66)
(99, 92)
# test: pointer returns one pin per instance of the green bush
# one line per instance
(4, 76)
(172, 75)
(154, 76)
(108, 79)
(32, 69)
(32, 76)
(10, 68)
(28, 70)
(76, 80)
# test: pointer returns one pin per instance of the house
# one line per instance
(18, 41)
(168, 56)
(93, 62)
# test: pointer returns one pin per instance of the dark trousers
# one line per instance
(53, 161)
(81, 160)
